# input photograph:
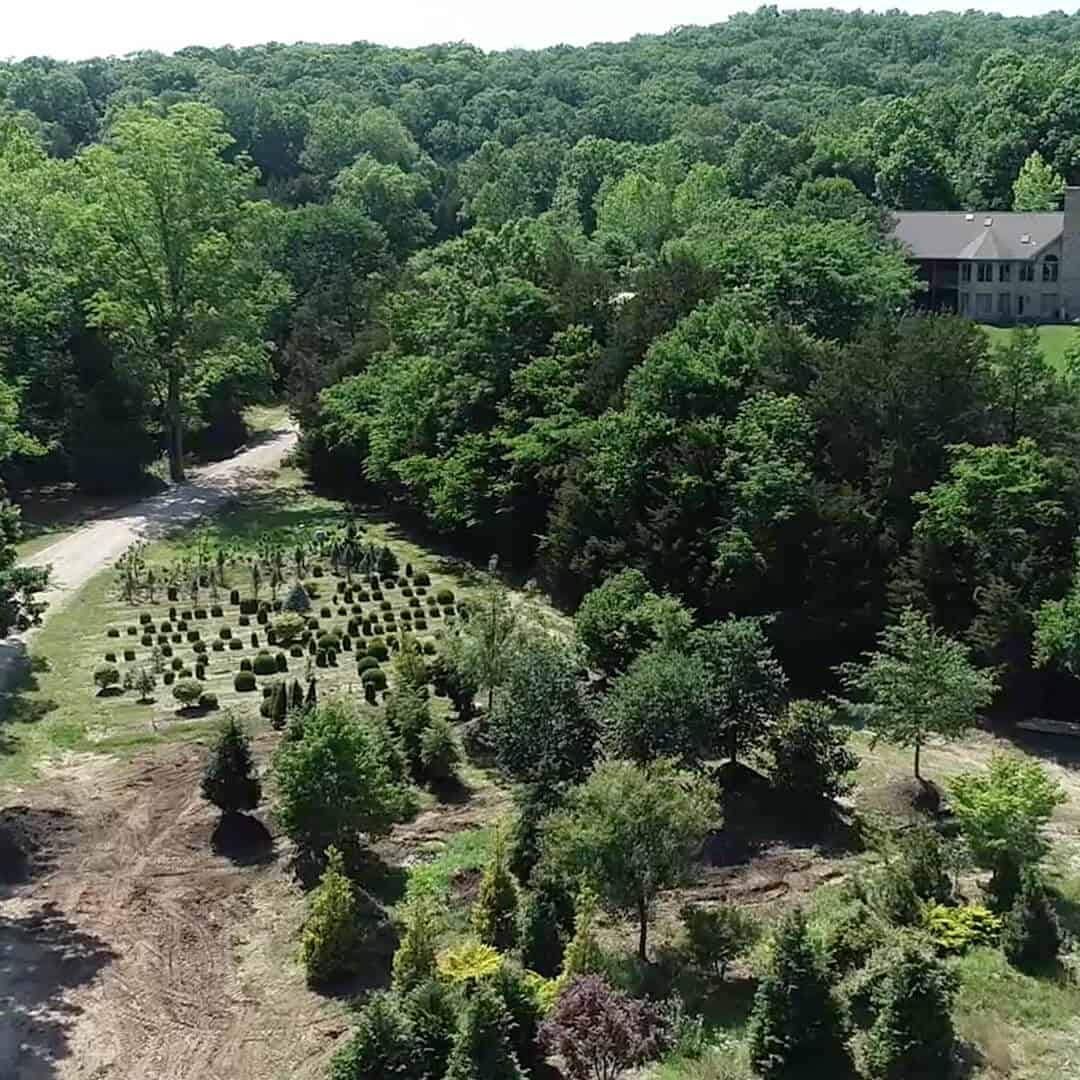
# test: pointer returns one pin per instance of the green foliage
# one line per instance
(482, 1049)
(795, 1028)
(264, 664)
(542, 729)
(1032, 937)
(439, 753)
(469, 963)
(106, 675)
(297, 601)
(430, 1008)
(244, 681)
(495, 912)
(663, 706)
(910, 997)
(187, 692)
(810, 761)
(622, 618)
(230, 780)
(542, 932)
(918, 684)
(717, 936)
(333, 931)
(415, 958)
(1039, 187)
(955, 930)
(1003, 808)
(288, 628)
(337, 782)
(583, 955)
(380, 1046)
(631, 832)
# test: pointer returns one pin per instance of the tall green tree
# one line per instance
(630, 833)
(918, 684)
(183, 291)
(1039, 187)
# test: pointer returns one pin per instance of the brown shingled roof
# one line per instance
(933, 234)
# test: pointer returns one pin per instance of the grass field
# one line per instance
(1055, 340)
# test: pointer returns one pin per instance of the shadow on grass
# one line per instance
(18, 677)
(451, 792)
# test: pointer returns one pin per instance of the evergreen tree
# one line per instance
(381, 1045)
(230, 781)
(279, 706)
(296, 696)
(912, 1035)
(1032, 936)
(523, 1010)
(482, 1048)
(414, 961)
(494, 914)
(433, 1021)
(332, 930)
(795, 1030)
(542, 935)
(311, 701)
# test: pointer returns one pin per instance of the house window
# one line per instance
(1005, 272)
(965, 271)
(1022, 305)
(1049, 305)
(1005, 304)
(1050, 268)
(965, 303)
(984, 303)
(985, 272)
(1027, 271)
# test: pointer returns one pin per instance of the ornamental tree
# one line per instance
(231, 781)
(631, 832)
(918, 684)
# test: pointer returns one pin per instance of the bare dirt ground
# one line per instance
(129, 949)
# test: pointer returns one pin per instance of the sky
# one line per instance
(76, 29)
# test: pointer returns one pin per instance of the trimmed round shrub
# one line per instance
(244, 682)
(129, 654)
(193, 635)
(113, 632)
(375, 678)
(429, 648)
(376, 594)
(162, 639)
(236, 645)
(185, 673)
(200, 613)
(147, 640)
(199, 647)
(296, 650)
(216, 611)
(245, 664)
(366, 663)
(320, 658)
(186, 616)
(181, 625)
(132, 631)
(106, 675)
(386, 606)
(208, 700)
(414, 602)
(264, 664)
(144, 618)
(421, 578)
(177, 638)
(217, 646)
(377, 648)
(420, 624)
(363, 596)
(244, 620)
(177, 664)
(249, 606)
(169, 678)
(325, 613)
(166, 627)
(166, 650)
(263, 618)
(225, 633)
(317, 571)
(187, 692)
(110, 658)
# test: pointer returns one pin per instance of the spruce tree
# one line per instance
(912, 1035)
(541, 935)
(433, 1021)
(332, 931)
(230, 781)
(296, 696)
(495, 912)
(1032, 936)
(482, 1048)
(795, 1030)
(381, 1045)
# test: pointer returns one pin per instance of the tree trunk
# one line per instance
(918, 751)
(643, 931)
(174, 427)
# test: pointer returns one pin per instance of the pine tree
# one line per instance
(332, 931)
(482, 1047)
(230, 781)
(1032, 935)
(795, 1030)
(414, 961)
(494, 914)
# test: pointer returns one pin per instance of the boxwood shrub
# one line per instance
(216, 611)
(132, 630)
(113, 631)
(147, 639)
(444, 597)
(375, 678)
(110, 657)
(236, 645)
(129, 654)
(264, 664)
(245, 664)
(366, 663)
(208, 700)
(244, 682)
(296, 650)
(200, 613)
(421, 578)
(177, 664)
(144, 618)
(249, 606)
(218, 646)
(244, 620)
(169, 678)
(193, 635)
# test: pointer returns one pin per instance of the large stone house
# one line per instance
(998, 267)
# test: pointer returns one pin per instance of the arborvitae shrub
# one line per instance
(254, 640)
(414, 961)
(200, 671)
(234, 596)
(245, 664)
(281, 662)
(1032, 935)
(263, 617)
(439, 753)
(279, 706)
(264, 664)
(172, 592)
(432, 1016)
(296, 650)
(524, 1012)
(543, 930)
(482, 1049)
(381, 1045)
(332, 933)
(795, 1030)
(495, 912)
(244, 681)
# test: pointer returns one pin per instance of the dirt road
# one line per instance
(76, 558)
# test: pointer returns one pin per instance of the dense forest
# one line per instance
(627, 306)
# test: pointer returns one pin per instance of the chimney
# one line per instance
(1070, 255)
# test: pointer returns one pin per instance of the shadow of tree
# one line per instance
(18, 671)
(42, 955)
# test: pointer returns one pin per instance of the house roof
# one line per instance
(934, 234)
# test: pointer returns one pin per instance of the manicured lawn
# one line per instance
(1055, 340)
